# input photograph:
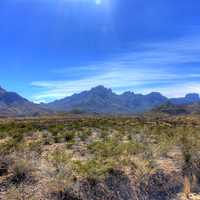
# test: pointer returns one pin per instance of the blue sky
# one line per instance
(50, 49)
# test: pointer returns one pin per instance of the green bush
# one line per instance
(93, 169)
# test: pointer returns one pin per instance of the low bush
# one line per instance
(22, 171)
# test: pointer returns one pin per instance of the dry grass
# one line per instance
(62, 153)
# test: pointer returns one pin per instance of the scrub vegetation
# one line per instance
(97, 158)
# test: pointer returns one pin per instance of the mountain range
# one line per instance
(103, 100)
(12, 104)
(97, 100)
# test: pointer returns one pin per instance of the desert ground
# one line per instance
(100, 158)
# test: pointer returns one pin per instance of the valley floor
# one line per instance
(100, 158)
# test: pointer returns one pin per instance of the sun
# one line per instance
(98, 2)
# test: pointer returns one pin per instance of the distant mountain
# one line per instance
(103, 100)
(174, 109)
(12, 104)
(188, 99)
(137, 103)
(98, 100)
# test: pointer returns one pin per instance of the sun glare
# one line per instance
(98, 2)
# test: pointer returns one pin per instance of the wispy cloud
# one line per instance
(176, 90)
(154, 68)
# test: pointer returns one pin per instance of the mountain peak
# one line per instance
(128, 93)
(101, 89)
(192, 96)
(155, 94)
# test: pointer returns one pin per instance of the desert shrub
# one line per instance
(55, 129)
(131, 148)
(76, 125)
(59, 158)
(104, 134)
(47, 138)
(163, 144)
(93, 169)
(16, 142)
(3, 134)
(58, 138)
(107, 148)
(63, 136)
(33, 146)
(13, 129)
(112, 148)
(9, 145)
(83, 134)
(22, 171)
(70, 143)
(68, 135)
(17, 136)
(61, 177)
(109, 155)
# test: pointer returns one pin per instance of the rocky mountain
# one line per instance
(188, 99)
(97, 100)
(12, 104)
(174, 109)
(103, 100)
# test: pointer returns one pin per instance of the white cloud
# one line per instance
(152, 69)
(175, 90)
(117, 80)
